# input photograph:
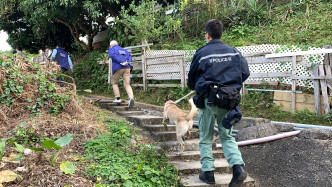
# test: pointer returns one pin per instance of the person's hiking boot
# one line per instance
(239, 175)
(207, 177)
(117, 101)
(131, 103)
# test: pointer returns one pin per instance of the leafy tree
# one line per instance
(34, 24)
(148, 23)
(80, 17)
(41, 22)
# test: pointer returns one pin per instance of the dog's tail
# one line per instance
(193, 111)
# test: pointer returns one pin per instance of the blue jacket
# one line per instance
(64, 59)
(217, 63)
(119, 55)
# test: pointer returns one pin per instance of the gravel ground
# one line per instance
(301, 161)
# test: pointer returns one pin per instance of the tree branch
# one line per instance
(110, 10)
(102, 22)
(74, 34)
(80, 24)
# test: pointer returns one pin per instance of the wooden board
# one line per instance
(324, 89)
(261, 82)
(176, 77)
(317, 92)
(165, 55)
(162, 71)
(270, 75)
(271, 60)
(256, 54)
(138, 58)
(158, 85)
(164, 61)
(303, 101)
(286, 106)
(137, 66)
(293, 95)
(299, 53)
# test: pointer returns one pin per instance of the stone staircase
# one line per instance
(189, 163)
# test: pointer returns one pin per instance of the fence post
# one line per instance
(109, 72)
(144, 69)
(293, 83)
(328, 65)
(324, 89)
(316, 91)
(182, 73)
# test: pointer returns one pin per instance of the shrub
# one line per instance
(118, 162)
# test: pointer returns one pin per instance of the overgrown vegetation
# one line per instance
(25, 82)
(91, 75)
(117, 160)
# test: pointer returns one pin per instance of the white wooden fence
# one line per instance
(293, 68)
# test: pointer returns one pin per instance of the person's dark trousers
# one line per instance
(60, 78)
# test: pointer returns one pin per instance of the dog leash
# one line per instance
(183, 97)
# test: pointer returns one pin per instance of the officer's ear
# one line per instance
(208, 36)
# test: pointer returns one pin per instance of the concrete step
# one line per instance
(174, 146)
(159, 128)
(222, 180)
(194, 167)
(106, 105)
(145, 120)
(193, 155)
(171, 136)
(122, 108)
(130, 113)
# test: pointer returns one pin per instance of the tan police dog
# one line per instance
(184, 122)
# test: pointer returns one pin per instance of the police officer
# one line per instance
(61, 56)
(216, 64)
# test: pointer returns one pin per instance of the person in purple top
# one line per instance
(121, 59)
(62, 58)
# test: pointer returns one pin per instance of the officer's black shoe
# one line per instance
(239, 175)
(207, 177)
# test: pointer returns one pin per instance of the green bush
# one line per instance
(118, 163)
(89, 74)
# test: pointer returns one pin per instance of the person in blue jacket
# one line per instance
(217, 65)
(62, 58)
(121, 59)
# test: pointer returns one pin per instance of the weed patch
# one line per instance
(113, 158)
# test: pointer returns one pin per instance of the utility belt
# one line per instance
(224, 97)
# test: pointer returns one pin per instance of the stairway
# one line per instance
(189, 163)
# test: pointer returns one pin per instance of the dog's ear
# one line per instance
(167, 98)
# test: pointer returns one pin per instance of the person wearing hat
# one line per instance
(62, 58)
(217, 66)
(121, 66)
